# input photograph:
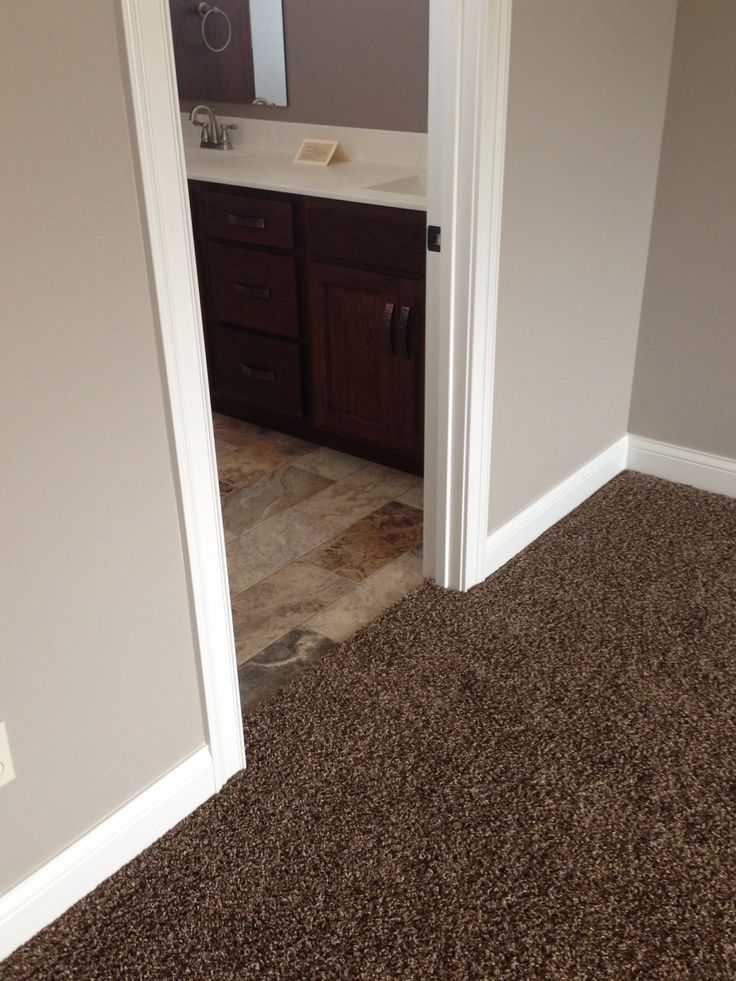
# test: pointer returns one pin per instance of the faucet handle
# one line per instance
(225, 141)
(205, 127)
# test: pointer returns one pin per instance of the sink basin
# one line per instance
(416, 184)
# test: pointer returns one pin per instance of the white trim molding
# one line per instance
(508, 540)
(682, 465)
(468, 88)
(155, 109)
(39, 899)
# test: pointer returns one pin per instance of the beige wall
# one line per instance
(586, 106)
(98, 678)
(684, 389)
(353, 63)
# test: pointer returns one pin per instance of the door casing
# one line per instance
(469, 44)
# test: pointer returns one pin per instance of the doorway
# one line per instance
(312, 299)
(469, 45)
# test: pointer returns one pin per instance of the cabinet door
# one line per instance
(354, 361)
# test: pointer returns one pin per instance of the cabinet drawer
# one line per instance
(257, 371)
(254, 289)
(253, 220)
(365, 234)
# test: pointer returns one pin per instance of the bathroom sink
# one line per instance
(416, 184)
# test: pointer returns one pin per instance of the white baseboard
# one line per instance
(683, 466)
(47, 893)
(705, 471)
(508, 540)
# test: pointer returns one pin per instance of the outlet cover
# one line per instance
(7, 773)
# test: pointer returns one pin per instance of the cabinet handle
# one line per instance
(388, 327)
(261, 374)
(244, 221)
(404, 333)
(254, 292)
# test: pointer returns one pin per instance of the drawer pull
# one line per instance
(262, 374)
(244, 221)
(253, 292)
(404, 330)
(388, 327)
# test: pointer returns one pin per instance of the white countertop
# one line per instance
(263, 158)
(349, 180)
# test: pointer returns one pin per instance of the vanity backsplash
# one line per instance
(263, 135)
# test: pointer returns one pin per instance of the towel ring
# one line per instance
(205, 9)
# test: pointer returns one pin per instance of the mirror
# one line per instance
(230, 51)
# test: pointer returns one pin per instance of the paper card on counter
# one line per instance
(318, 152)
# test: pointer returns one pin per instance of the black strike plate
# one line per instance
(434, 238)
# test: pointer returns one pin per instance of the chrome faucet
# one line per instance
(214, 135)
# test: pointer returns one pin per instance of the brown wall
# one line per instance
(98, 676)
(587, 97)
(684, 390)
(352, 63)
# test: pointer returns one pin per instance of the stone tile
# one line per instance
(275, 605)
(261, 550)
(226, 487)
(414, 497)
(331, 463)
(222, 448)
(370, 543)
(270, 670)
(267, 496)
(365, 601)
(242, 434)
(266, 452)
(354, 497)
(233, 431)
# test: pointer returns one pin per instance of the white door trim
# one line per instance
(165, 205)
(468, 92)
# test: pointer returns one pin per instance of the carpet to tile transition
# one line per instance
(536, 779)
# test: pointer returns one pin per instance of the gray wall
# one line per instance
(352, 63)
(587, 99)
(684, 383)
(98, 678)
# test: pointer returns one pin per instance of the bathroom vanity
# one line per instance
(311, 277)
(313, 311)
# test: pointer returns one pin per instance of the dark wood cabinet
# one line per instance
(259, 372)
(253, 289)
(314, 317)
(248, 219)
(366, 356)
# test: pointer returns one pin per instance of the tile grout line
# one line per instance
(303, 557)
(356, 585)
(304, 623)
(292, 507)
(320, 544)
(262, 521)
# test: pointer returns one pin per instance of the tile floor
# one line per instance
(318, 544)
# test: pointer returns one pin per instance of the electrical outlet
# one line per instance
(7, 773)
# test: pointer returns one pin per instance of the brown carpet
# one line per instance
(533, 780)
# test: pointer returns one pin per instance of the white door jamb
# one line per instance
(163, 181)
(468, 89)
